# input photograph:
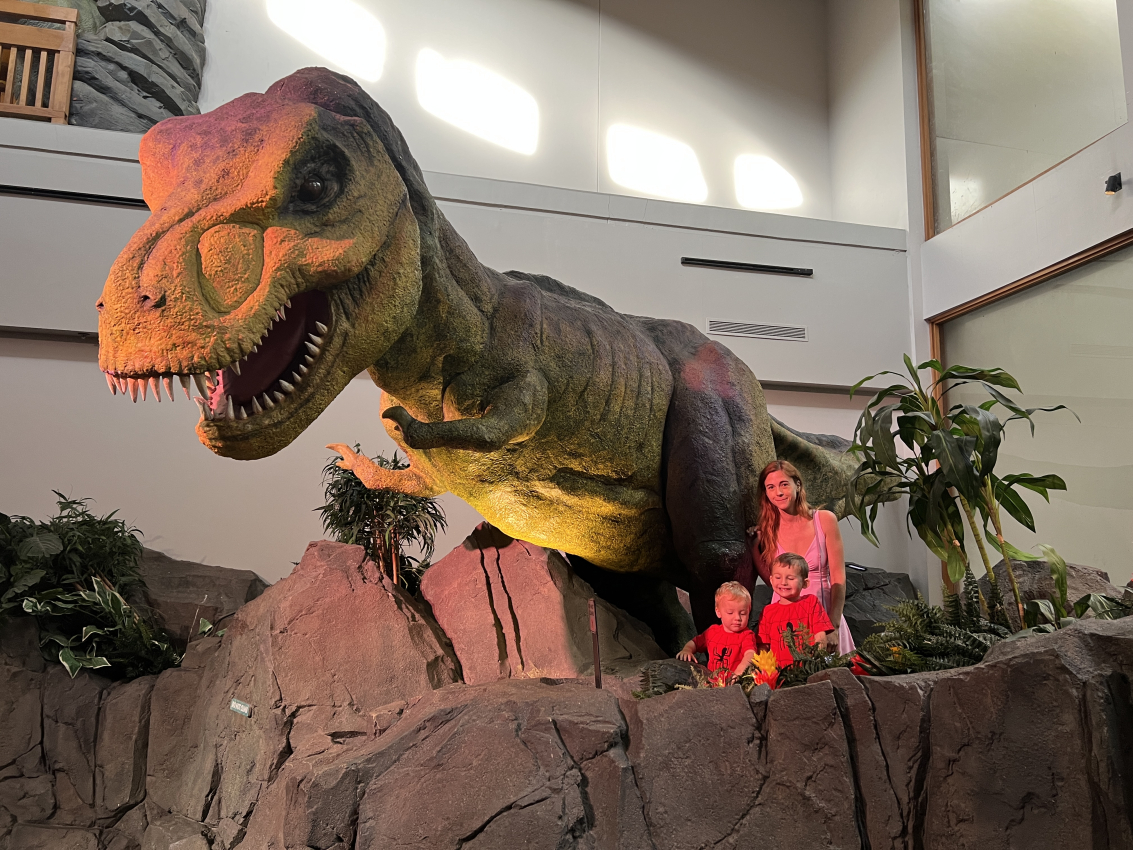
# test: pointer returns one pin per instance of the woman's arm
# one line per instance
(835, 557)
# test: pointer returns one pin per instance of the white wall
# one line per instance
(867, 112)
(726, 77)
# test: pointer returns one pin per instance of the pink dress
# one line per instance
(819, 582)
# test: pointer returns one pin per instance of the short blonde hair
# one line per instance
(735, 590)
(790, 559)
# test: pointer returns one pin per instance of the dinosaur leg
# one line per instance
(649, 598)
(717, 439)
(513, 413)
(408, 481)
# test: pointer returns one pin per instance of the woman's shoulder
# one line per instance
(828, 520)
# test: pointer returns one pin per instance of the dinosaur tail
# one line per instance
(823, 460)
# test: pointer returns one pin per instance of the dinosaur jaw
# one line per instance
(254, 405)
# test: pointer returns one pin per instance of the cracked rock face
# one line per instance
(138, 62)
(361, 737)
(1036, 582)
(512, 609)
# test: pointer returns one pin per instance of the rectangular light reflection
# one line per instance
(340, 31)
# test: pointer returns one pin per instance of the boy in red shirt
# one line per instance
(730, 645)
(789, 575)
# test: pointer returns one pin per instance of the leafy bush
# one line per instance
(810, 658)
(383, 522)
(928, 637)
(70, 573)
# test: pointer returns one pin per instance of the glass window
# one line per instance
(1014, 88)
(1067, 341)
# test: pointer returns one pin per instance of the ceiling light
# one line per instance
(340, 31)
(478, 101)
(1113, 184)
(763, 184)
(654, 164)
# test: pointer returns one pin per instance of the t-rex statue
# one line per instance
(293, 243)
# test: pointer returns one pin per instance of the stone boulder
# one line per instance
(1035, 582)
(870, 595)
(319, 659)
(512, 609)
(180, 593)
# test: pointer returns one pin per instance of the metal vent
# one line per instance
(719, 327)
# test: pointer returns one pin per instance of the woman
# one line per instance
(788, 524)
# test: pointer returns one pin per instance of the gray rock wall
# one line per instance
(141, 65)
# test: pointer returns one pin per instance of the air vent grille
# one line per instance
(719, 327)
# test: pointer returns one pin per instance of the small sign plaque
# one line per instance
(240, 707)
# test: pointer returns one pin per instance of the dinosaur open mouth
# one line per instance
(278, 364)
(275, 368)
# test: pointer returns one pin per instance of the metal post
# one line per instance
(597, 654)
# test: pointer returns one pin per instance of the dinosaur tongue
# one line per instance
(281, 352)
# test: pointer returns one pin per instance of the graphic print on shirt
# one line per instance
(720, 658)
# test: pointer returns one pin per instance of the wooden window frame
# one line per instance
(936, 323)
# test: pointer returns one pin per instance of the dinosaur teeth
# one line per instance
(230, 412)
(235, 366)
(199, 380)
(295, 377)
(314, 349)
(282, 314)
(155, 388)
(307, 358)
(321, 328)
(268, 403)
(133, 389)
(241, 415)
(205, 414)
(123, 387)
(184, 379)
(287, 388)
(287, 303)
(278, 395)
(110, 382)
(168, 381)
(303, 370)
(317, 340)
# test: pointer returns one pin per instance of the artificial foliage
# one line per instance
(946, 467)
(73, 573)
(809, 658)
(383, 522)
(930, 637)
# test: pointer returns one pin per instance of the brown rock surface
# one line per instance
(123, 743)
(181, 592)
(322, 653)
(512, 609)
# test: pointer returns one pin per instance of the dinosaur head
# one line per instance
(281, 259)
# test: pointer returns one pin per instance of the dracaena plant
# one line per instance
(946, 466)
(383, 522)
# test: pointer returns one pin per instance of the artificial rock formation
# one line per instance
(1036, 582)
(362, 737)
(634, 444)
(515, 610)
(138, 62)
(181, 593)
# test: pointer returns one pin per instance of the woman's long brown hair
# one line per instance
(767, 539)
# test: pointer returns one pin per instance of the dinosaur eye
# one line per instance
(312, 189)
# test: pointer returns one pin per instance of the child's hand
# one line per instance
(685, 655)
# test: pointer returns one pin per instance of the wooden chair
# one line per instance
(40, 52)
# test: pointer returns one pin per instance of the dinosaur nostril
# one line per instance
(148, 302)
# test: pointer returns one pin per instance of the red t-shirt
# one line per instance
(724, 648)
(808, 612)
